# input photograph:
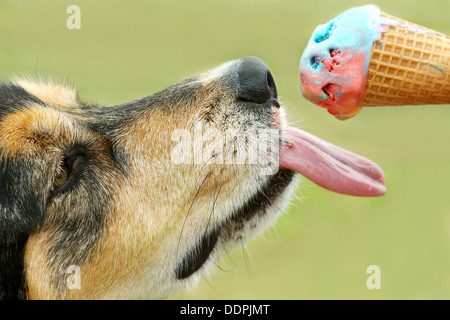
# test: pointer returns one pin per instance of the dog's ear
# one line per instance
(21, 213)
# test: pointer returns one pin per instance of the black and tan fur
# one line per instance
(95, 187)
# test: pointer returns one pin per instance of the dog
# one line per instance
(114, 203)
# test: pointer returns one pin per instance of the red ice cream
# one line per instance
(333, 67)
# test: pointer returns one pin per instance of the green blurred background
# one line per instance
(323, 245)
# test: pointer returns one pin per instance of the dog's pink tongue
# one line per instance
(331, 167)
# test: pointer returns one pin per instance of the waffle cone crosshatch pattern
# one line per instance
(410, 65)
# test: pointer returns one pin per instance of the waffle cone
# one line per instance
(410, 65)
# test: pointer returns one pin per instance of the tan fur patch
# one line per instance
(56, 95)
(38, 275)
(23, 130)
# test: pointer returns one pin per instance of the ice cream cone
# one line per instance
(409, 65)
(365, 57)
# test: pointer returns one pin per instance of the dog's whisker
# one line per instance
(195, 196)
(244, 253)
(210, 285)
(277, 234)
(215, 197)
(233, 264)
(189, 210)
(203, 167)
(217, 263)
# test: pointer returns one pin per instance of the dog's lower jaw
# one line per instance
(259, 213)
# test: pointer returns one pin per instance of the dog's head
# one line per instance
(139, 200)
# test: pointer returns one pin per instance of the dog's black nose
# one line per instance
(256, 83)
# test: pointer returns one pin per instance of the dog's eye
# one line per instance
(61, 179)
(62, 175)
